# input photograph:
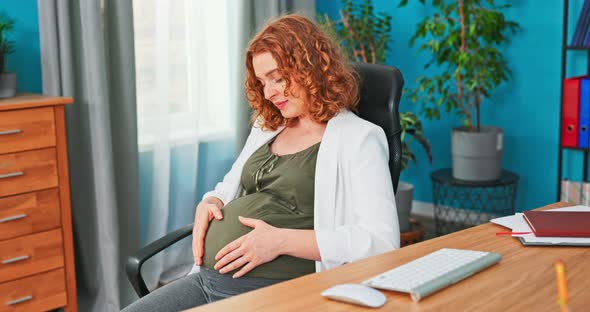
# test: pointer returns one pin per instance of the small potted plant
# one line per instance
(464, 39)
(7, 79)
(364, 37)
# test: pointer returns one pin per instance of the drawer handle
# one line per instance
(19, 300)
(14, 131)
(11, 175)
(15, 217)
(15, 259)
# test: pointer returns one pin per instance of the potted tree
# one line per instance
(7, 80)
(364, 37)
(463, 38)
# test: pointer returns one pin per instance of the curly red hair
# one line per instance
(312, 60)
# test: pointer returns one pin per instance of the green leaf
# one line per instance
(6, 28)
(371, 29)
(482, 66)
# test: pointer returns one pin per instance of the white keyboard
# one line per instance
(427, 274)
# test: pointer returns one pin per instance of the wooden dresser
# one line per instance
(37, 270)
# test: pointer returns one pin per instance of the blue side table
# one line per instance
(460, 204)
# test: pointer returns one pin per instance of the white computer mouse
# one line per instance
(356, 294)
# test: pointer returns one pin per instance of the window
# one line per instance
(182, 70)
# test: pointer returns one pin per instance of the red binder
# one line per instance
(570, 112)
(559, 223)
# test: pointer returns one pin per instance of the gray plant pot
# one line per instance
(7, 85)
(477, 156)
(403, 201)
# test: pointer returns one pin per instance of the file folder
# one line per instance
(583, 130)
(585, 194)
(585, 16)
(581, 26)
(571, 191)
(570, 112)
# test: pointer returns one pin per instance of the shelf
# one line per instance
(565, 48)
(575, 148)
(578, 48)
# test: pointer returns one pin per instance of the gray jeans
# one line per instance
(195, 290)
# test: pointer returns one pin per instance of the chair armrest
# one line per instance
(134, 262)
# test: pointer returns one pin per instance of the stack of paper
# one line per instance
(518, 224)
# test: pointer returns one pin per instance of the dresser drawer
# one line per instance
(42, 292)
(28, 171)
(29, 213)
(30, 254)
(26, 129)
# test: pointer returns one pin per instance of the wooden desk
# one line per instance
(524, 280)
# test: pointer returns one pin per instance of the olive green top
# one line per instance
(278, 190)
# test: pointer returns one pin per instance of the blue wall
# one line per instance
(26, 59)
(527, 107)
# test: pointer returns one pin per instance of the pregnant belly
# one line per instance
(261, 206)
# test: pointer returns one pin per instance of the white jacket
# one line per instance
(354, 206)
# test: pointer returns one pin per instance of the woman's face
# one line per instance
(266, 71)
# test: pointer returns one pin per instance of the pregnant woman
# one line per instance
(311, 188)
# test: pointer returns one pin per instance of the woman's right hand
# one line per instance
(207, 209)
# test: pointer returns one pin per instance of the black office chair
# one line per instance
(380, 92)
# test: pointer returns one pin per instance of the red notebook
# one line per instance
(559, 223)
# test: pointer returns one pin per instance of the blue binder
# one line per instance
(583, 130)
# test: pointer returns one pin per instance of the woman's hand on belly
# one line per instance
(207, 209)
(259, 246)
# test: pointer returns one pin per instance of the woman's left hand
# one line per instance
(259, 246)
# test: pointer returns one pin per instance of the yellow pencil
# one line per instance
(561, 278)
